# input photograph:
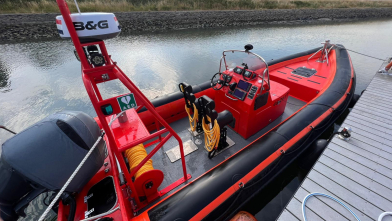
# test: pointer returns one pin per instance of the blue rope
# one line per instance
(325, 195)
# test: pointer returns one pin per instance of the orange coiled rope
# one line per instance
(192, 120)
(135, 155)
(211, 135)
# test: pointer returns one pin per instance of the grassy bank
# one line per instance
(47, 6)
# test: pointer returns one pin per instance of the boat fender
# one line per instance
(309, 157)
(243, 216)
(354, 100)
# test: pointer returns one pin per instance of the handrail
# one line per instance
(124, 79)
(231, 98)
(266, 65)
(142, 140)
(133, 172)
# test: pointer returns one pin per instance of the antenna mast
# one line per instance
(77, 6)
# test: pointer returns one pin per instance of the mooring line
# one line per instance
(361, 53)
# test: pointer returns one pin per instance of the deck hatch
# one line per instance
(304, 72)
(174, 153)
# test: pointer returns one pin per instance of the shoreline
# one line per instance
(17, 27)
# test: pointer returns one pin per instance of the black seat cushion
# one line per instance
(224, 118)
(207, 103)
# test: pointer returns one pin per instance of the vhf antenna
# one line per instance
(77, 6)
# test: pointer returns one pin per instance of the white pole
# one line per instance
(77, 6)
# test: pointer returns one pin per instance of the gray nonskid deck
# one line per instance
(358, 172)
(198, 162)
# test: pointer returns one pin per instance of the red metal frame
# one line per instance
(93, 76)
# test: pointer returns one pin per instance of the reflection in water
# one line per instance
(40, 78)
(4, 78)
(46, 77)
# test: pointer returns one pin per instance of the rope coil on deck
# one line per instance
(192, 120)
(380, 217)
(211, 136)
(135, 155)
(328, 196)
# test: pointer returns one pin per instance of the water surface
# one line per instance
(40, 78)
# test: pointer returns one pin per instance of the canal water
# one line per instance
(39, 78)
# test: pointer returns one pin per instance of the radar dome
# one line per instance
(90, 26)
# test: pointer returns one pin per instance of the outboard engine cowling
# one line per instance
(45, 155)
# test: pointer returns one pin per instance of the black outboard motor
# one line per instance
(42, 158)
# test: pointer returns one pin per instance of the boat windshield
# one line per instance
(234, 58)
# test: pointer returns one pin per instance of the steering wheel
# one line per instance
(219, 81)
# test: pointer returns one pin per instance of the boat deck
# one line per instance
(198, 162)
(358, 172)
(303, 84)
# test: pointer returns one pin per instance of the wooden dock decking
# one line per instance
(358, 172)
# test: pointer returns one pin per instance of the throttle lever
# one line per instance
(232, 86)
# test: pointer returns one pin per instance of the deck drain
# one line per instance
(198, 141)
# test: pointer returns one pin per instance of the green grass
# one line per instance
(46, 6)
(302, 4)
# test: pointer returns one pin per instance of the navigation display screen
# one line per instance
(247, 74)
(237, 70)
(244, 85)
(239, 94)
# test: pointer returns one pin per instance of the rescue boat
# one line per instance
(197, 154)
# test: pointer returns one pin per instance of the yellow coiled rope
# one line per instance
(135, 155)
(192, 120)
(211, 136)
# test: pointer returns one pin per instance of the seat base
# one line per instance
(229, 143)
(224, 118)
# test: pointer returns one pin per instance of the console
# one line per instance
(253, 104)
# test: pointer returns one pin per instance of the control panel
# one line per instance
(241, 90)
(252, 92)
(240, 87)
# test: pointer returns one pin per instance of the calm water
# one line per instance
(40, 78)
